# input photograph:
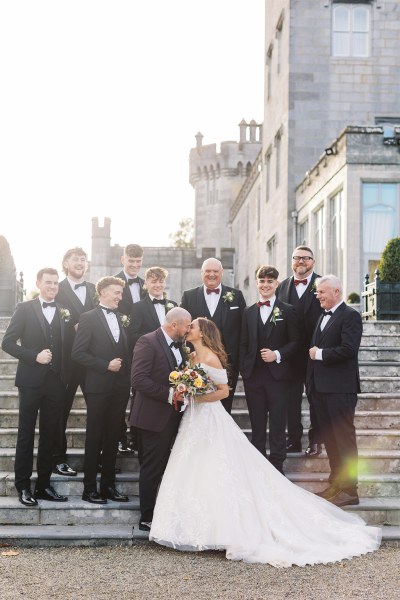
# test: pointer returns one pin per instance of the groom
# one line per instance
(156, 354)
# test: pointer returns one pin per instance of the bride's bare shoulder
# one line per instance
(213, 361)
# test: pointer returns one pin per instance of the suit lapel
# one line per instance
(286, 289)
(309, 293)
(105, 324)
(167, 350)
(333, 318)
(201, 303)
(72, 296)
(151, 312)
(39, 313)
(270, 324)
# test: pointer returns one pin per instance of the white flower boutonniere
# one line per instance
(65, 315)
(168, 306)
(228, 297)
(314, 288)
(276, 315)
(125, 320)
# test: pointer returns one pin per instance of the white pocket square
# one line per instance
(233, 307)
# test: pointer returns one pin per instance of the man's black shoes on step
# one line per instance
(111, 493)
(50, 494)
(313, 450)
(64, 469)
(144, 525)
(93, 497)
(26, 498)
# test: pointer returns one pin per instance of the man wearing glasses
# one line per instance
(299, 290)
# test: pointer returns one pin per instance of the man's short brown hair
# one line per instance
(133, 250)
(48, 270)
(155, 273)
(267, 271)
(106, 281)
(305, 249)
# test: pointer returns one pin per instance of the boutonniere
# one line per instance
(168, 306)
(186, 349)
(228, 297)
(313, 289)
(125, 320)
(65, 315)
(276, 315)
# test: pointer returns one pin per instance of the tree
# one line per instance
(184, 236)
(389, 266)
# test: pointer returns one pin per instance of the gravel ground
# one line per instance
(149, 572)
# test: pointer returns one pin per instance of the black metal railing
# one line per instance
(381, 300)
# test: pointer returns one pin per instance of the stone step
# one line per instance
(371, 327)
(380, 384)
(381, 339)
(9, 399)
(370, 485)
(379, 353)
(73, 512)
(127, 483)
(379, 369)
(8, 366)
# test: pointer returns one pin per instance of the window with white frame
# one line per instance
(271, 250)
(303, 233)
(336, 234)
(319, 242)
(277, 158)
(351, 29)
(259, 208)
(267, 174)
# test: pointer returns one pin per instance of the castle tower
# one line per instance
(100, 262)
(217, 178)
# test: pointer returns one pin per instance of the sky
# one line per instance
(100, 104)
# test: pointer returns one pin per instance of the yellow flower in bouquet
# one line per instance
(198, 383)
(188, 383)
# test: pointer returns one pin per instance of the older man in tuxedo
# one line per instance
(299, 291)
(269, 339)
(77, 296)
(101, 347)
(223, 305)
(156, 354)
(42, 329)
(333, 382)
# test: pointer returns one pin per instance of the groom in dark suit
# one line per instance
(156, 354)
(101, 347)
(269, 340)
(333, 381)
(77, 296)
(299, 291)
(42, 329)
(223, 305)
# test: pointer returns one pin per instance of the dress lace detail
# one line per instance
(219, 493)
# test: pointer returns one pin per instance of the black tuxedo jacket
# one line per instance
(68, 299)
(283, 335)
(27, 325)
(232, 313)
(125, 305)
(308, 308)
(94, 347)
(152, 363)
(144, 318)
(340, 340)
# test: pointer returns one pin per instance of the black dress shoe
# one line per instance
(328, 492)
(26, 498)
(343, 498)
(313, 450)
(93, 498)
(65, 469)
(111, 493)
(49, 493)
(125, 450)
(144, 525)
(116, 470)
(292, 447)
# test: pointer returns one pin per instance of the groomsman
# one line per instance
(299, 291)
(101, 347)
(149, 313)
(156, 354)
(269, 340)
(223, 305)
(77, 296)
(333, 382)
(133, 292)
(42, 327)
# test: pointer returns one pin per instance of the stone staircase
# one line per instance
(80, 523)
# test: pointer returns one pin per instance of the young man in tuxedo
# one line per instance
(77, 296)
(156, 354)
(42, 328)
(299, 291)
(133, 292)
(269, 340)
(333, 381)
(223, 305)
(101, 347)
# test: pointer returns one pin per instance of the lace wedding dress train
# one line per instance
(219, 493)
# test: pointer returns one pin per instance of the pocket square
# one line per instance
(233, 307)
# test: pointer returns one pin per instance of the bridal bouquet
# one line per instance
(187, 383)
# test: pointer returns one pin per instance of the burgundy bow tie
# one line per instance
(266, 303)
(298, 281)
(212, 291)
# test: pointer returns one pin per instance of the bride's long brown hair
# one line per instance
(212, 339)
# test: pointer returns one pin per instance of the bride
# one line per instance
(220, 493)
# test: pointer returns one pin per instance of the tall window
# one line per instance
(381, 212)
(319, 245)
(336, 235)
(269, 71)
(258, 208)
(351, 29)
(271, 250)
(267, 174)
(303, 233)
(277, 158)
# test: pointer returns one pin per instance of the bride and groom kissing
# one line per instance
(215, 490)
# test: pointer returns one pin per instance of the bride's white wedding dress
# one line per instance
(219, 493)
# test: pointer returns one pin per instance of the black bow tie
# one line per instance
(156, 301)
(134, 280)
(327, 313)
(109, 310)
(46, 304)
(78, 285)
(174, 344)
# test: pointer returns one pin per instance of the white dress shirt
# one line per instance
(112, 322)
(265, 312)
(301, 288)
(318, 354)
(175, 351)
(134, 288)
(212, 299)
(160, 310)
(80, 292)
(49, 311)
